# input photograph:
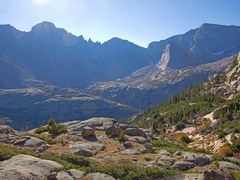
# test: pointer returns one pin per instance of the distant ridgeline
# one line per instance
(38, 70)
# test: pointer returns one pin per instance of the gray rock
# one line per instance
(134, 132)
(127, 144)
(164, 158)
(184, 177)
(18, 173)
(163, 153)
(149, 146)
(182, 165)
(70, 174)
(99, 122)
(218, 175)
(28, 167)
(99, 176)
(41, 148)
(228, 165)
(198, 159)
(124, 126)
(131, 151)
(138, 139)
(8, 138)
(4, 129)
(87, 131)
(87, 149)
(113, 131)
(33, 142)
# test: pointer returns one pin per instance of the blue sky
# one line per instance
(139, 21)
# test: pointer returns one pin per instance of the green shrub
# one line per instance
(235, 147)
(122, 137)
(180, 125)
(222, 134)
(41, 129)
(70, 161)
(130, 171)
(185, 139)
(8, 151)
(55, 129)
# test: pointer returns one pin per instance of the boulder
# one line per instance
(71, 174)
(198, 159)
(86, 149)
(184, 177)
(33, 142)
(127, 144)
(218, 174)
(138, 139)
(99, 176)
(149, 148)
(28, 167)
(134, 132)
(164, 158)
(113, 131)
(8, 138)
(4, 129)
(182, 165)
(131, 151)
(124, 126)
(163, 153)
(228, 165)
(95, 123)
(87, 131)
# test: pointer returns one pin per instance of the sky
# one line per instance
(139, 21)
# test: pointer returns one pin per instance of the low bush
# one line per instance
(8, 151)
(41, 129)
(185, 139)
(122, 137)
(52, 127)
(235, 147)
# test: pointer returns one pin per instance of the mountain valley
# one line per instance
(113, 79)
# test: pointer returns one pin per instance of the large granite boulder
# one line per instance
(4, 129)
(138, 139)
(218, 175)
(164, 158)
(87, 131)
(113, 131)
(134, 132)
(228, 165)
(87, 149)
(24, 167)
(183, 165)
(198, 159)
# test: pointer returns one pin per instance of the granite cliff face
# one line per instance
(205, 44)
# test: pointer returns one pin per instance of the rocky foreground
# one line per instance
(107, 143)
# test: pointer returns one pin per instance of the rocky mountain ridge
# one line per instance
(140, 77)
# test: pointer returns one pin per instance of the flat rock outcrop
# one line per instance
(95, 123)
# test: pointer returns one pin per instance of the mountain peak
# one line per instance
(44, 27)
